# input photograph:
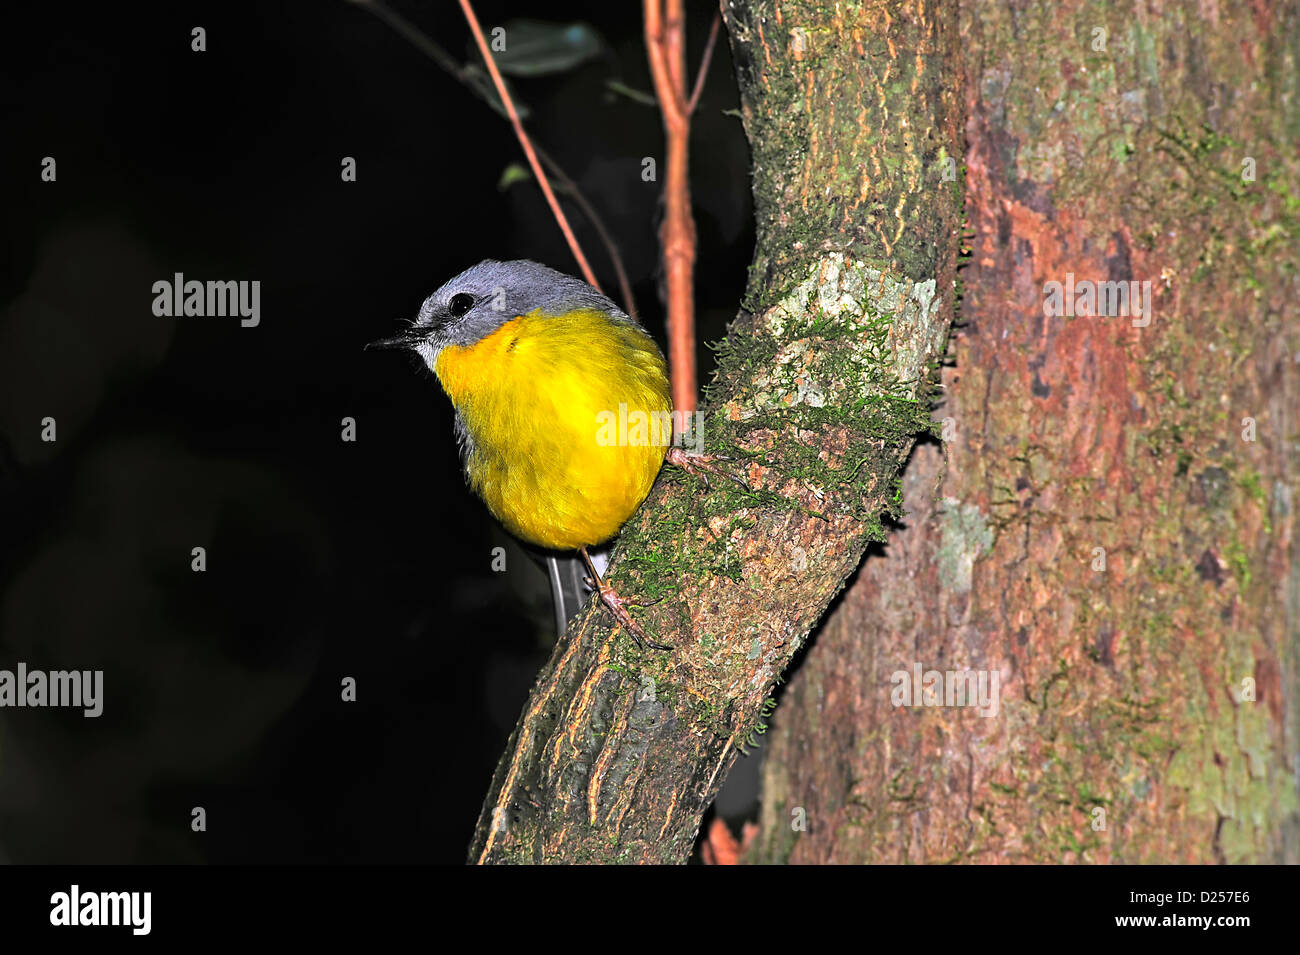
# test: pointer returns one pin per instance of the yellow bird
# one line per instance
(563, 410)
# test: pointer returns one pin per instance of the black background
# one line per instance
(326, 559)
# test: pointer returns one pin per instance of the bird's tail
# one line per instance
(569, 588)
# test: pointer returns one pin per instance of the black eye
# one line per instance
(460, 304)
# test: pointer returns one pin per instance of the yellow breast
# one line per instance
(568, 419)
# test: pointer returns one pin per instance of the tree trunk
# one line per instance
(823, 383)
(1109, 527)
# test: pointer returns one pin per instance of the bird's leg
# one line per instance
(701, 465)
(618, 605)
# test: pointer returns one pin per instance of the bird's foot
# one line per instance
(702, 465)
(618, 604)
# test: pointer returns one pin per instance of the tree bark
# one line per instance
(823, 383)
(1102, 529)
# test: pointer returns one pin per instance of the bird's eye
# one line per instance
(460, 304)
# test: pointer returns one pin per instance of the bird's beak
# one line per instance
(408, 339)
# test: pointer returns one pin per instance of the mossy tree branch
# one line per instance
(823, 383)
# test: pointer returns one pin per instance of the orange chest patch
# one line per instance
(464, 369)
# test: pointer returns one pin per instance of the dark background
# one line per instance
(326, 559)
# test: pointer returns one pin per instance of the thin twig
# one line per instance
(704, 64)
(527, 145)
(426, 45)
(571, 188)
(414, 36)
(665, 34)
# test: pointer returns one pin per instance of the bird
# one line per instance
(562, 405)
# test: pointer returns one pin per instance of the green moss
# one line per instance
(1253, 486)
(1239, 562)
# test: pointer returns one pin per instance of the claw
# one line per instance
(618, 605)
(701, 465)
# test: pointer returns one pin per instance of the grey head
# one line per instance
(485, 296)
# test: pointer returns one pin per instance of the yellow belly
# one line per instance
(568, 420)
